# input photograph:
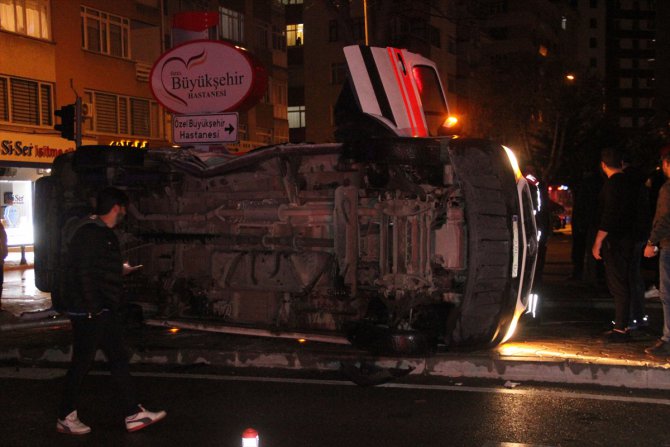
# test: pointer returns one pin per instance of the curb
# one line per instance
(448, 366)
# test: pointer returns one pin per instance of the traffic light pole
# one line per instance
(78, 122)
(70, 126)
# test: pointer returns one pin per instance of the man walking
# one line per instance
(660, 237)
(93, 300)
(617, 235)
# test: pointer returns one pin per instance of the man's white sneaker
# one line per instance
(71, 425)
(143, 419)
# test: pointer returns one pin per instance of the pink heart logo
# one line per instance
(193, 61)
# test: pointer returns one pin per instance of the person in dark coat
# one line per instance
(660, 237)
(93, 302)
(618, 234)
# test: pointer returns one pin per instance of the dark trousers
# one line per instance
(637, 288)
(105, 332)
(618, 256)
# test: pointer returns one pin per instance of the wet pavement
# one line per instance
(564, 344)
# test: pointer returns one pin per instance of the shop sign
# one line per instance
(26, 148)
(129, 143)
(208, 76)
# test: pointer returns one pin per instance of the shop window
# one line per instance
(296, 117)
(231, 24)
(123, 115)
(105, 33)
(29, 17)
(24, 101)
(294, 35)
(17, 215)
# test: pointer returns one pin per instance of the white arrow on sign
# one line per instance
(210, 128)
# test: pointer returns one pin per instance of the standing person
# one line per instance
(660, 237)
(11, 213)
(4, 251)
(93, 302)
(617, 236)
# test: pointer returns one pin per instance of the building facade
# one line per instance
(52, 52)
(318, 30)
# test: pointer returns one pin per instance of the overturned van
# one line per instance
(395, 238)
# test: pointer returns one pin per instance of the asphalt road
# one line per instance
(213, 410)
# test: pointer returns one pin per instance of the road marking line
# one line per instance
(53, 373)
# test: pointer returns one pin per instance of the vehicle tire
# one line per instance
(46, 209)
(491, 201)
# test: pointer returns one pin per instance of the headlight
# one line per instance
(513, 161)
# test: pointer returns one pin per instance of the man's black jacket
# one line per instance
(94, 270)
(624, 208)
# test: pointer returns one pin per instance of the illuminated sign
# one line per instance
(129, 143)
(32, 148)
(208, 76)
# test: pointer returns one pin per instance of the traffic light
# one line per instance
(68, 121)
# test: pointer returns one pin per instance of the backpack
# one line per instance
(61, 291)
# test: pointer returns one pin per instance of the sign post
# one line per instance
(200, 80)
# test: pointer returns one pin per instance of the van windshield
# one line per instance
(432, 97)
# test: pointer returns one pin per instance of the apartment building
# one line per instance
(631, 61)
(52, 51)
(318, 30)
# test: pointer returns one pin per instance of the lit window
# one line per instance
(105, 33)
(294, 35)
(296, 117)
(123, 115)
(231, 24)
(24, 101)
(29, 17)
(291, 2)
